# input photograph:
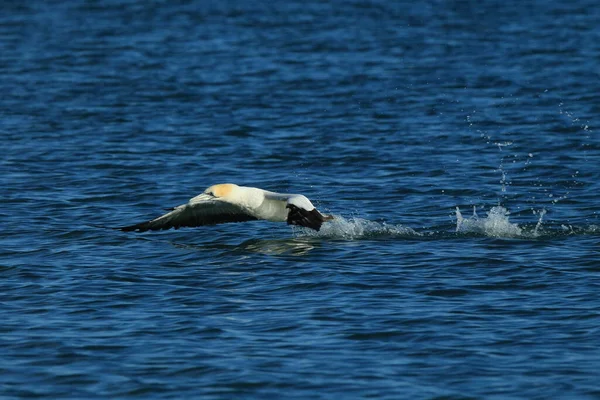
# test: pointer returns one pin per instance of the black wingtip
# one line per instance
(312, 219)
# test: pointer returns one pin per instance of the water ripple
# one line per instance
(397, 117)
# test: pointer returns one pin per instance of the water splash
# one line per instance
(496, 224)
(593, 229)
(539, 223)
(355, 228)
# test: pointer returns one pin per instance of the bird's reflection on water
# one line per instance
(288, 246)
(292, 246)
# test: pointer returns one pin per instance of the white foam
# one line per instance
(354, 228)
(496, 224)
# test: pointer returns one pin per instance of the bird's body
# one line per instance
(232, 203)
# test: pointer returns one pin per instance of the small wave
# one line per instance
(355, 228)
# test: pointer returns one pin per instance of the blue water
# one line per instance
(455, 142)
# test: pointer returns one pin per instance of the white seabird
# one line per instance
(228, 202)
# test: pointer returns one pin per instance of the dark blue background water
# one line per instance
(389, 115)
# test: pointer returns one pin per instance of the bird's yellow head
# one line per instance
(221, 190)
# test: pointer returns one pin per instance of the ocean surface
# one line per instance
(456, 143)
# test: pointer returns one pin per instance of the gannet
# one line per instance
(228, 202)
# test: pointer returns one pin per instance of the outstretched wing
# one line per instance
(194, 214)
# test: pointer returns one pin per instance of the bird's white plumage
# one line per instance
(300, 201)
(232, 203)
